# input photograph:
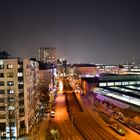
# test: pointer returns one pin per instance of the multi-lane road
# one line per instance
(84, 121)
(77, 120)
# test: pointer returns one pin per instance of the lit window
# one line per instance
(1, 66)
(117, 83)
(10, 74)
(132, 82)
(10, 83)
(102, 84)
(138, 82)
(10, 91)
(20, 82)
(20, 74)
(9, 66)
(11, 99)
(11, 108)
(110, 84)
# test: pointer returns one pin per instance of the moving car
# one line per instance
(52, 114)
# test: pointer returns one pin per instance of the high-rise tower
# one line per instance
(47, 55)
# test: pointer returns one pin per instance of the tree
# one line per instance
(44, 93)
(12, 107)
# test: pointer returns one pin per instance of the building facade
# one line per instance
(47, 55)
(18, 81)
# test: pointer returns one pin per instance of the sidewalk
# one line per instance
(39, 131)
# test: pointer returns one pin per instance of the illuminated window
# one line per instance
(10, 66)
(117, 83)
(102, 84)
(20, 82)
(124, 83)
(11, 99)
(132, 82)
(11, 108)
(10, 83)
(10, 74)
(20, 74)
(110, 84)
(138, 82)
(10, 91)
(1, 66)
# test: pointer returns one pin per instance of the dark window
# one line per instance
(1, 83)
(12, 124)
(21, 94)
(2, 108)
(21, 102)
(21, 110)
(2, 91)
(2, 126)
(1, 74)
(20, 86)
(22, 124)
(2, 100)
(20, 78)
(2, 116)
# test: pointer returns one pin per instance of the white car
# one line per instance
(52, 114)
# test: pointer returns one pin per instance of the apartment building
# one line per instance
(18, 82)
(48, 55)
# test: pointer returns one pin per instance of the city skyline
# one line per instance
(82, 31)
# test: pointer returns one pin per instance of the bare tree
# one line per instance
(44, 93)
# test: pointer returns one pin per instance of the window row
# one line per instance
(9, 75)
(9, 83)
(10, 99)
(9, 91)
(9, 66)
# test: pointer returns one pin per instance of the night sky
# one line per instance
(83, 31)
